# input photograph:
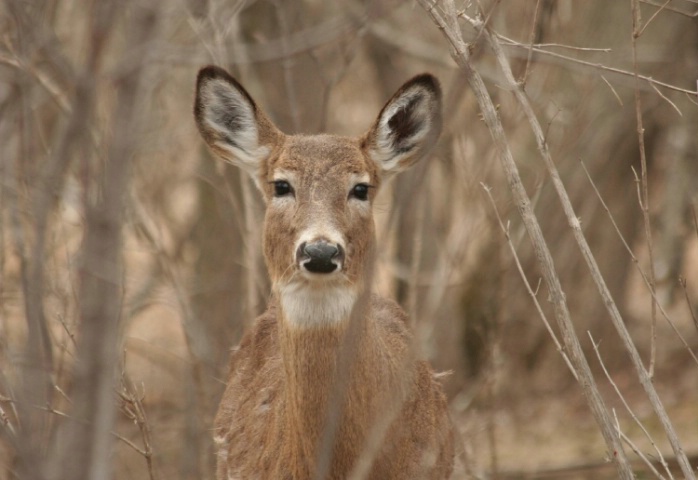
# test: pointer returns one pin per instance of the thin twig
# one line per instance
(62, 414)
(644, 201)
(620, 102)
(647, 23)
(533, 294)
(531, 38)
(67, 330)
(600, 66)
(635, 260)
(238, 52)
(570, 47)
(642, 456)
(672, 9)
(682, 281)
(56, 94)
(416, 257)
(132, 406)
(637, 421)
(5, 420)
(486, 18)
(287, 61)
(665, 98)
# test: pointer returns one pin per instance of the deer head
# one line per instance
(318, 189)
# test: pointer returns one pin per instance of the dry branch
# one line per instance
(630, 410)
(642, 185)
(642, 273)
(531, 292)
(85, 449)
(665, 6)
(37, 367)
(448, 23)
(682, 281)
(574, 223)
(598, 66)
(132, 407)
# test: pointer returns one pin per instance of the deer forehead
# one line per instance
(323, 163)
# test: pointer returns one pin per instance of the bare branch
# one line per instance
(640, 270)
(628, 409)
(665, 98)
(533, 294)
(85, 449)
(132, 406)
(642, 30)
(531, 38)
(672, 9)
(617, 321)
(599, 66)
(557, 296)
(489, 114)
(642, 187)
(682, 281)
(620, 102)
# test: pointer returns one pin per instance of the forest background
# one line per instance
(547, 252)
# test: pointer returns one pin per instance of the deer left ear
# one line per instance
(408, 126)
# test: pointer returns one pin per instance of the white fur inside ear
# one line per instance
(228, 113)
(404, 129)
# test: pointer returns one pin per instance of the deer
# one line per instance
(326, 382)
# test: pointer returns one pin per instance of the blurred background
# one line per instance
(130, 259)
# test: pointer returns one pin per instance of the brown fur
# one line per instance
(306, 362)
(271, 415)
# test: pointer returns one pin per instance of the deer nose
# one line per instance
(320, 256)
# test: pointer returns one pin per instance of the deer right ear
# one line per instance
(408, 126)
(230, 122)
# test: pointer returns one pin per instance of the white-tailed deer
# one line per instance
(325, 384)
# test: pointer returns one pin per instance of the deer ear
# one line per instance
(408, 126)
(230, 122)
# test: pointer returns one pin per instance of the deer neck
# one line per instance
(320, 344)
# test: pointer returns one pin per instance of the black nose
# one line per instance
(320, 256)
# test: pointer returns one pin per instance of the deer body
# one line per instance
(325, 384)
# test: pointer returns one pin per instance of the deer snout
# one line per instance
(320, 256)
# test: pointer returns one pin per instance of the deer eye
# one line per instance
(360, 191)
(282, 188)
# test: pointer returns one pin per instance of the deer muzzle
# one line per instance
(320, 256)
